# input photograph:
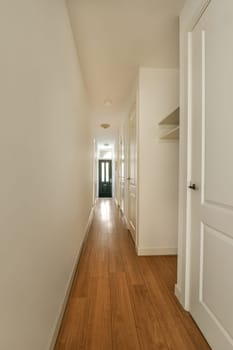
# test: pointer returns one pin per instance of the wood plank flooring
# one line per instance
(120, 301)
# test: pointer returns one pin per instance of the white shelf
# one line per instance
(172, 118)
(169, 126)
(172, 134)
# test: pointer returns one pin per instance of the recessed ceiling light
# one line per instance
(105, 125)
(107, 103)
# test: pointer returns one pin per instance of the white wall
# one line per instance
(45, 153)
(158, 163)
(189, 16)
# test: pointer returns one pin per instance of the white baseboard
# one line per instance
(133, 238)
(126, 221)
(156, 251)
(178, 293)
(180, 297)
(69, 284)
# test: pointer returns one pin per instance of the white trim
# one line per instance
(133, 238)
(128, 228)
(126, 220)
(200, 12)
(156, 251)
(116, 202)
(58, 322)
(137, 165)
(178, 294)
(189, 171)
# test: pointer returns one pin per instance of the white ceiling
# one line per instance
(114, 38)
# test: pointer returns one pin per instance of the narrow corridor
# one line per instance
(122, 301)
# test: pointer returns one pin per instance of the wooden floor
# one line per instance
(122, 301)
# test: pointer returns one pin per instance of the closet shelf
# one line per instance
(171, 119)
(169, 126)
(172, 134)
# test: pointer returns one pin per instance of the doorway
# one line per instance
(105, 178)
(132, 178)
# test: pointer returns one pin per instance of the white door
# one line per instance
(211, 285)
(121, 174)
(132, 171)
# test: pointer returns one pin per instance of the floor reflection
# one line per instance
(105, 209)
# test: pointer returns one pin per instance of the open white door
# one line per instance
(211, 285)
(121, 174)
(132, 171)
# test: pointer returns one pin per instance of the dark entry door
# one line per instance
(105, 178)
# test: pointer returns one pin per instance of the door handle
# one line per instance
(192, 187)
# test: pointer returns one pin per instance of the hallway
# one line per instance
(122, 301)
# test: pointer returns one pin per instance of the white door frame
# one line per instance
(132, 115)
(190, 15)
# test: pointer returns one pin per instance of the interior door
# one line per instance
(105, 178)
(121, 174)
(132, 175)
(211, 190)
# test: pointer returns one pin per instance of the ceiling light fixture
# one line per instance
(107, 103)
(105, 125)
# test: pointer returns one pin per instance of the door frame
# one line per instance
(132, 116)
(121, 171)
(110, 172)
(190, 15)
(125, 134)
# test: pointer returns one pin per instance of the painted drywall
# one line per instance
(158, 163)
(45, 153)
(188, 18)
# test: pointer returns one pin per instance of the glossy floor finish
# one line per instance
(122, 301)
